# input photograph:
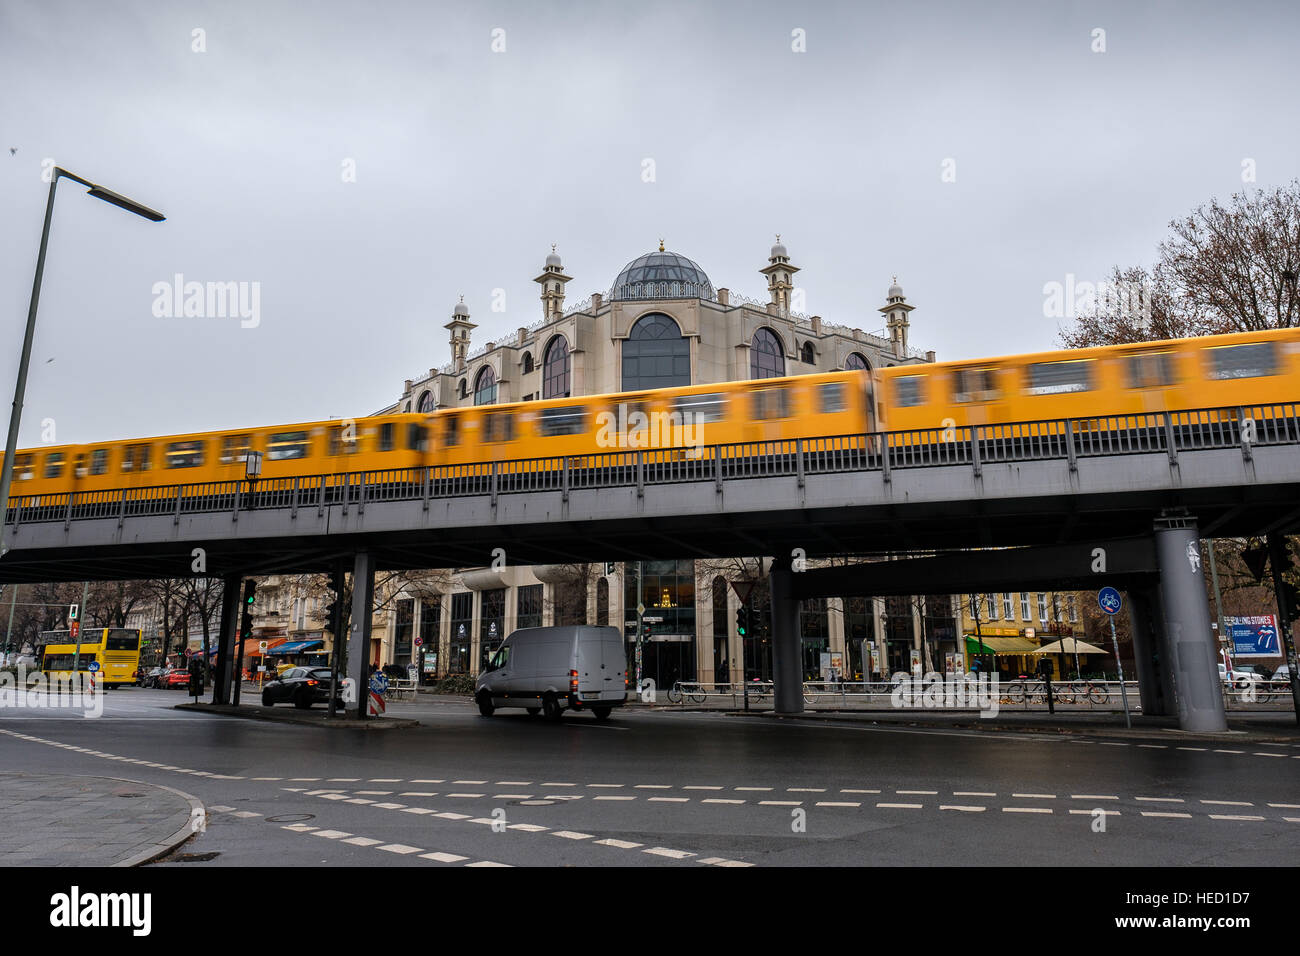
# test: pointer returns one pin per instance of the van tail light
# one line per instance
(573, 680)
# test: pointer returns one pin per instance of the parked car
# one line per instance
(149, 678)
(174, 679)
(302, 687)
(1283, 674)
(551, 669)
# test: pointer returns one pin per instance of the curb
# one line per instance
(263, 713)
(161, 848)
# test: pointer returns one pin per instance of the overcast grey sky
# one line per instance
(469, 163)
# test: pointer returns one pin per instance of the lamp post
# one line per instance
(99, 192)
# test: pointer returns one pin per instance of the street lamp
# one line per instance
(99, 192)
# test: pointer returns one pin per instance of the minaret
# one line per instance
(780, 277)
(895, 310)
(460, 327)
(552, 281)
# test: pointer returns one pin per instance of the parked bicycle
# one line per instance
(690, 690)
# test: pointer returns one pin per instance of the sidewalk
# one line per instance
(315, 717)
(61, 820)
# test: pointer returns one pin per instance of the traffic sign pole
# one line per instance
(1110, 602)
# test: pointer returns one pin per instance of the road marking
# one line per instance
(917, 793)
(363, 841)
(780, 803)
(1286, 806)
(298, 827)
(443, 857)
(418, 793)
(488, 820)
(972, 793)
(384, 780)
(333, 796)
(966, 809)
(221, 809)
(762, 789)
(291, 779)
(401, 848)
(1230, 816)
(559, 785)
(1198, 749)
(837, 803)
(527, 827)
(389, 806)
(469, 783)
(846, 790)
(361, 800)
(427, 781)
(700, 788)
(1156, 813)
(1292, 819)
(621, 844)
(332, 834)
(805, 789)
(615, 798)
(901, 806)
(1261, 753)
(1035, 796)
(1091, 796)
(669, 800)
(1229, 751)
(1154, 746)
(1026, 809)
(611, 786)
(453, 816)
(245, 814)
(161, 767)
(416, 810)
(1111, 743)
(375, 793)
(343, 780)
(468, 796)
(1161, 799)
(664, 851)
(719, 800)
(1228, 803)
(653, 786)
(512, 796)
(486, 863)
(572, 835)
(510, 783)
(1109, 813)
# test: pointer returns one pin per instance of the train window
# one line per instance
(284, 445)
(834, 397)
(343, 440)
(1057, 378)
(417, 437)
(452, 435)
(700, 409)
(973, 385)
(136, 458)
(1149, 369)
(387, 436)
(569, 420)
(99, 461)
(185, 454)
(23, 466)
(1243, 361)
(54, 464)
(771, 403)
(908, 391)
(499, 427)
(234, 448)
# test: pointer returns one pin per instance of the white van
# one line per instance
(551, 668)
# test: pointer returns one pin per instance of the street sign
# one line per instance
(93, 666)
(419, 641)
(640, 608)
(647, 619)
(378, 682)
(263, 645)
(1109, 600)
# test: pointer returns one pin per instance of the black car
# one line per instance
(300, 686)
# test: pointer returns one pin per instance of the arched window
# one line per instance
(485, 386)
(463, 388)
(655, 355)
(555, 369)
(426, 402)
(858, 361)
(528, 362)
(407, 407)
(766, 356)
(806, 354)
(602, 602)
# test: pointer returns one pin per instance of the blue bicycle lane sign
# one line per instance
(1109, 600)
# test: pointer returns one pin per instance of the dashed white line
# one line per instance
(331, 834)
(720, 800)
(963, 808)
(620, 844)
(1231, 816)
(572, 835)
(1026, 809)
(363, 841)
(400, 848)
(900, 806)
(664, 851)
(443, 857)
(1091, 796)
(1228, 803)
(1157, 813)
(1034, 796)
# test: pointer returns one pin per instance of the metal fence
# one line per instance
(1166, 433)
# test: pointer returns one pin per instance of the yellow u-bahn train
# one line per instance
(1214, 371)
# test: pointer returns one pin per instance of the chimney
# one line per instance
(724, 297)
(816, 324)
(929, 356)
(597, 300)
(522, 332)
(857, 335)
(773, 308)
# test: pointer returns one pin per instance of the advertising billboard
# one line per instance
(1254, 636)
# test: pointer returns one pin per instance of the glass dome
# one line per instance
(662, 275)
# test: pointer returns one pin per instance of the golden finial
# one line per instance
(661, 245)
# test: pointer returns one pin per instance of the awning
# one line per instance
(1002, 645)
(973, 646)
(295, 647)
(1069, 645)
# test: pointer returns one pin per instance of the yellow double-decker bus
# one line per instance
(115, 649)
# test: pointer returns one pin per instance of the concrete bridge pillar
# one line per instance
(230, 594)
(363, 594)
(1150, 654)
(1190, 641)
(787, 650)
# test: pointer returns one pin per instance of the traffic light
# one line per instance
(330, 611)
(742, 620)
(246, 619)
(1289, 595)
(1255, 556)
(609, 568)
